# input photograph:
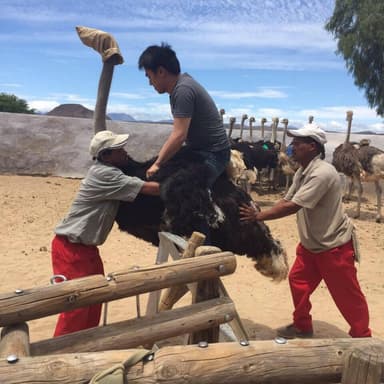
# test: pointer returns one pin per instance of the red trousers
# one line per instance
(337, 267)
(74, 261)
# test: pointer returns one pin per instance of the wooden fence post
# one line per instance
(14, 341)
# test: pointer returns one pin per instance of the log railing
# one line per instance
(18, 307)
(297, 361)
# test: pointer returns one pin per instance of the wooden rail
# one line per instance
(297, 361)
(45, 301)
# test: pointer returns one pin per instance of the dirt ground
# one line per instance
(32, 206)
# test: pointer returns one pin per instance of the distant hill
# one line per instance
(121, 117)
(72, 110)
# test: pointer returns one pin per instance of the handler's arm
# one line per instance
(150, 188)
(173, 143)
(281, 209)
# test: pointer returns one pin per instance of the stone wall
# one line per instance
(58, 146)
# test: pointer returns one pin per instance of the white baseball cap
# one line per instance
(309, 130)
(106, 140)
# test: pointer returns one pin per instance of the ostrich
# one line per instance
(372, 161)
(274, 146)
(283, 142)
(232, 121)
(243, 118)
(346, 160)
(222, 113)
(262, 128)
(185, 203)
(275, 124)
(287, 165)
(251, 121)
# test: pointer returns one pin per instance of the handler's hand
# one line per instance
(248, 212)
(152, 170)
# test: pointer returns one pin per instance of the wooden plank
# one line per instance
(298, 361)
(175, 293)
(167, 246)
(236, 324)
(144, 331)
(206, 290)
(68, 295)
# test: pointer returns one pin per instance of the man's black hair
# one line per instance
(156, 56)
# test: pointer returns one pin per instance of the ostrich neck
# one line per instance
(347, 139)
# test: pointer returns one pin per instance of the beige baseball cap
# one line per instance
(309, 130)
(106, 140)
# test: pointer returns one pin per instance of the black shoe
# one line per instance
(291, 332)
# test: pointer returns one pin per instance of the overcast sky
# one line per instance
(264, 58)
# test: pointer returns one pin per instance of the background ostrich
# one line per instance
(251, 121)
(262, 128)
(222, 113)
(232, 121)
(269, 172)
(259, 156)
(243, 118)
(372, 161)
(275, 124)
(346, 160)
(287, 165)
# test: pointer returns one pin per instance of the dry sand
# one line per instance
(32, 206)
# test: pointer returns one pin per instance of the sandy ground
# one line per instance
(32, 206)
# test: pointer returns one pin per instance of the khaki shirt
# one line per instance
(95, 206)
(322, 222)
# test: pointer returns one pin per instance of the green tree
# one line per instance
(11, 103)
(358, 27)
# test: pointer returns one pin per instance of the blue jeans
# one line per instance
(216, 163)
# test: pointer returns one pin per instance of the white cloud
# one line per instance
(127, 95)
(148, 111)
(264, 93)
(10, 85)
(43, 106)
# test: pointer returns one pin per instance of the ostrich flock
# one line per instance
(255, 164)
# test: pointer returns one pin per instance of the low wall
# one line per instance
(58, 146)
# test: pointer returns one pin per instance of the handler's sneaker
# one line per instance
(291, 332)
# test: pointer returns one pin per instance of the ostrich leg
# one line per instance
(378, 196)
(106, 45)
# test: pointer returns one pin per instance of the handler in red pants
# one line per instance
(90, 219)
(328, 246)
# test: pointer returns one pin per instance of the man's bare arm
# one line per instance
(281, 209)
(173, 143)
(150, 188)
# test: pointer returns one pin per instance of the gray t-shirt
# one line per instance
(322, 222)
(95, 206)
(190, 99)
